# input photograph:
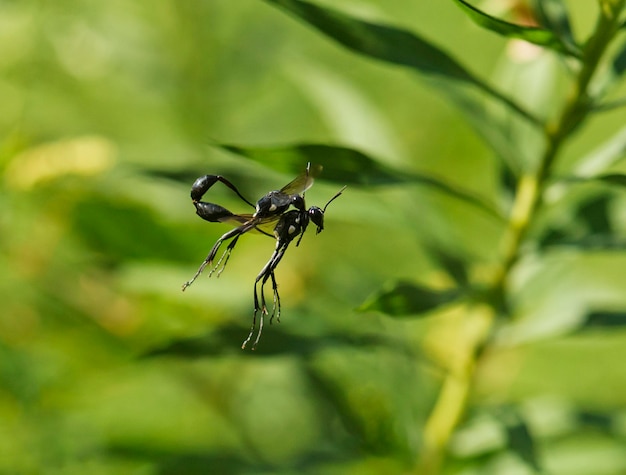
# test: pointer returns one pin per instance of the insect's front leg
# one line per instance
(202, 185)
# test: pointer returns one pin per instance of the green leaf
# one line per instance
(592, 242)
(612, 151)
(598, 420)
(535, 35)
(606, 320)
(405, 299)
(610, 78)
(519, 438)
(618, 179)
(340, 164)
(227, 338)
(595, 215)
(347, 166)
(618, 65)
(378, 41)
(590, 229)
(392, 45)
(451, 262)
(553, 15)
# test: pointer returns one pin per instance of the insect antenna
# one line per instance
(334, 197)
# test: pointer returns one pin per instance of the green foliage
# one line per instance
(463, 311)
(539, 36)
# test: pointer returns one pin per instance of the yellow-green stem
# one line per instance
(456, 389)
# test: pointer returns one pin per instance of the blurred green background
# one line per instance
(106, 367)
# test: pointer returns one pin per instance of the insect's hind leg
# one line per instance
(263, 275)
(252, 328)
(276, 307)
(263, 310)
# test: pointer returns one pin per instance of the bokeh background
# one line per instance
(108, 113)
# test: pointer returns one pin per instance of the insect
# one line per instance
(271, 210)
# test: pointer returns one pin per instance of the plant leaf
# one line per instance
(392, 45)
(618, 179)
(378, 41)
(602, 319)
(592, 242)
(618, 65)
(519, 437)
(553, 15)
(347, 166)
(535, 35)
(609, 78)
(598, 420)
(595, 216)
(452, 263)
(408, 299)
(613, 150)
(226, 339)
(591, 229)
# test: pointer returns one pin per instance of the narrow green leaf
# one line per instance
(593, 242)
(610, 78)
(553, 15)
(340, 164)
(598, 420)
(606, 320)
(227, 338)
(392, 45)
(618, 64)
(520, 439)
(406, 299)
(535, 35)
(594, 214)
(612, 151)
(452, 263)
(347, 166)
(618, 179)
(590, 229)
(378, 41)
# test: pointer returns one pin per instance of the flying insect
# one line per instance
(272, 213)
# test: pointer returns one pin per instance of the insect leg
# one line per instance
(265, 272)
(247, 340)
(226, 255)
(258, 335)
(276, 308)
(209, 259)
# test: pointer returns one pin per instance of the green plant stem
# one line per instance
(456, 389)
(529, 195)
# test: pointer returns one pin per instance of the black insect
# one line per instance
(272, 210)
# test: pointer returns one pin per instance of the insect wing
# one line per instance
(236, 219)
(267, 225)
(263, 225)
(302, 182)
